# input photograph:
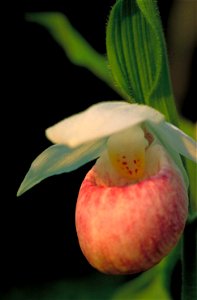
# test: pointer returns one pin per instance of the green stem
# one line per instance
(189, 261)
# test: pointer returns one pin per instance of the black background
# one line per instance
(38, 239)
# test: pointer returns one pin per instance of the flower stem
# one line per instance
(189, 261)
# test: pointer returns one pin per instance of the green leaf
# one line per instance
(137, 55)
(59, 159)
(147, 286)
(189, 245)
(191, 129)
(192, 174)
(75, 46)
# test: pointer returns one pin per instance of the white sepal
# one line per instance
(101, 120)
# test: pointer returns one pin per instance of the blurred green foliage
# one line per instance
(97, 286)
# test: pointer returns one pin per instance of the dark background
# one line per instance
(38, 239)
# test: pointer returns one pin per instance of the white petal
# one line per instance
(179, 141)
(100, 120)
(59, 159)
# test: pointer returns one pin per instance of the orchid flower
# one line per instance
(132, 205)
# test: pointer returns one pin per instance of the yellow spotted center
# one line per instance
(126, 151)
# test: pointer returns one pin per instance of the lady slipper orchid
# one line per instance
(132, 205)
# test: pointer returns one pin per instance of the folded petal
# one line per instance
(58, 159)
(179, 141)
(100, 120)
